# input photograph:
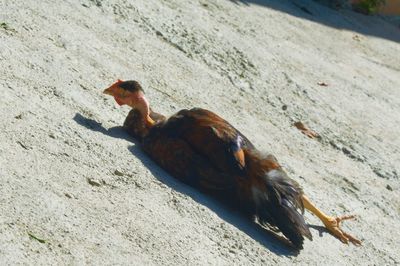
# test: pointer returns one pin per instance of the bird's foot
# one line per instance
(333, 226)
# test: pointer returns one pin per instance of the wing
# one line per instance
(212, 137)
(178, 158)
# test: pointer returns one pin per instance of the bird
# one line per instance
(205, 151)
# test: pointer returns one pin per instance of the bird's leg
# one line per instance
(331, 223)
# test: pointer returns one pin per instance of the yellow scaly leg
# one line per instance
(332, 223)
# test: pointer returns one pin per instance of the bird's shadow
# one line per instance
(274, 242)
(115, 132)
(321, 230)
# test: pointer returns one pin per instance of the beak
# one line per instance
(112, 89)
(109, 91)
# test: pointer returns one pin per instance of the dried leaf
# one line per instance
(306, 131)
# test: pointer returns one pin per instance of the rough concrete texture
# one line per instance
(76, 189)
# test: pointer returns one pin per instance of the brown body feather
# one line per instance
(203, 150)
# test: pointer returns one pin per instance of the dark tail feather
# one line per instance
(278, 204)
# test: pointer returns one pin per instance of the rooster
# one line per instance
(203, 150)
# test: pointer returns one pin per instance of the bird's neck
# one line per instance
(144, 108)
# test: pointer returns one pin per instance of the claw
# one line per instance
(333, 226)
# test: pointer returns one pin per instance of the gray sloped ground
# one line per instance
(71, 178)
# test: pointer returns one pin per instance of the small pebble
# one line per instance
(345, 150)
(118, 173)
(93, 182)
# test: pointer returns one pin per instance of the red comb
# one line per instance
(117, 82)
